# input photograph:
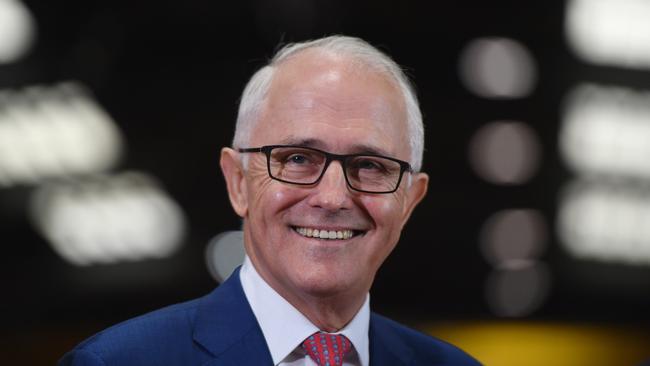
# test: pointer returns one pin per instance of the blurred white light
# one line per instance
(518, 289)
(516, 234)
(505, 152)
(610, 32)
(17, 30)
(54, 131)
(224, 253)
(606, 131)
(125, 217)
(499, 68)
(606, 222)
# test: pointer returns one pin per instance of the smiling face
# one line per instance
(326, 102)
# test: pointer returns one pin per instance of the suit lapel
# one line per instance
(226, 327)
(386, 349)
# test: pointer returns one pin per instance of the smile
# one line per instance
(324, 234)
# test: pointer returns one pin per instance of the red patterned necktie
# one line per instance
(327, 349)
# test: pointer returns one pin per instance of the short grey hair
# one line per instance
(256, 90)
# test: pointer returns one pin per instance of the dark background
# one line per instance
(170, 74)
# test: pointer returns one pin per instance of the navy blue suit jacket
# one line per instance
(220, 329)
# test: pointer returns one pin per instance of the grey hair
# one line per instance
(256, 90)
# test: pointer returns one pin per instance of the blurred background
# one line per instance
(532, 247)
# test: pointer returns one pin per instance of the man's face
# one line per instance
(323, 102)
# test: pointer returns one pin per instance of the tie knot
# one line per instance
(327, 349)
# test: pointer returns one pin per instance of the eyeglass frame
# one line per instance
(329, 157)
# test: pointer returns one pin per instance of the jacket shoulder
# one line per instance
(426, 350)
(143, 340)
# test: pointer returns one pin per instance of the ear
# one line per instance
(414, 194)
(233, 173)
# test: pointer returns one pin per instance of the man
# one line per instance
(324, 170)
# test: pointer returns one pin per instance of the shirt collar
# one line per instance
(284, 327)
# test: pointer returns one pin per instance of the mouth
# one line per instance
(326, 234)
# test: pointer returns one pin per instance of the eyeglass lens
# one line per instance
(305, 166)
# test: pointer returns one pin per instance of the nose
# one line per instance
(331, 192)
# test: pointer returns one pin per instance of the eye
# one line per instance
(297, 159)
(369, 164)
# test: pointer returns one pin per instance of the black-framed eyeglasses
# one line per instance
(302, 165)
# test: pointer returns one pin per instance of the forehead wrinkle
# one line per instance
(309, 109)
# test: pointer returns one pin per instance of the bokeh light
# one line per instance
(17, 30)
(505, 152)
(498, 68)
(512, 235)
(108, 219)
(518, 288)
(224, 253)
(606, 131)
(606, 221)
(610, 32)
(57, 131)
(535, 343)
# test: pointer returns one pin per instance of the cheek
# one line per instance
(272, 200)
(384, 214)
(385, 211)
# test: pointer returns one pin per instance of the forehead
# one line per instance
(334, 103)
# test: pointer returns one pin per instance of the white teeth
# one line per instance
(325, 234)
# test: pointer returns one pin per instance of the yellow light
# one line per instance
(544, 344)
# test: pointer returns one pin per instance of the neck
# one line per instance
(328, 313)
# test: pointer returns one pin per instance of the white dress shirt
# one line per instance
(285, 328)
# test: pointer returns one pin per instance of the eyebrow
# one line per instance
(320, 144)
